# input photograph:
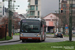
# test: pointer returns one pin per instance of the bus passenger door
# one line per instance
(43, 33)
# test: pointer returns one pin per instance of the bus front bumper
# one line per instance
(29, 38)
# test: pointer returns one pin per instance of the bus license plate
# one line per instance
(29, 38)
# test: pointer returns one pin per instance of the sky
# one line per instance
(22, 3)
(49, 6)
(52, 4)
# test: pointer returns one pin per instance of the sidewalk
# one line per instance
(49, 35)
(15, 39)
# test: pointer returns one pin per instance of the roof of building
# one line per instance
(56, 14)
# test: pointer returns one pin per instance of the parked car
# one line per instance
(58, 34)
(73, 32)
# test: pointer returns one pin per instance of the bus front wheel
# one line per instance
(22, 40)
(43, 40)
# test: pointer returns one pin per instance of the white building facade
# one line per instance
(51, 23)
(41, 8)
(34, 9)
(1, 9)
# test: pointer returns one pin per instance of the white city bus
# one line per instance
(33, 29)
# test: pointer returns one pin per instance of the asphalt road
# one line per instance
(46, 41)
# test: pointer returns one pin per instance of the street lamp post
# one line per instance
(59, 11)
(10, 17)
(70, 19)
(59, 6)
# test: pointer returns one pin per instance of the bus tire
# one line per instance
(22, 40)
(43, 40)
(39, 40)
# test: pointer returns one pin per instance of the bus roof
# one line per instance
(37, 19)
(34, 18)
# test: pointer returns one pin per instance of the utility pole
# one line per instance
(70, 19)
(59, 6)
(10, 17)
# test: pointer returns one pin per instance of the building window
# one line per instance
(73, 11)
(36, 7)
(32, 13)
(64, 5)
(35, 16)
(38, 13)
(72, 5)
(36, 2)
(32, 8)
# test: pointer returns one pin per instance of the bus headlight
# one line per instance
(38, 35)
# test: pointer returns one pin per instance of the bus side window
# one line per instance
(41, 24)
(44, 28)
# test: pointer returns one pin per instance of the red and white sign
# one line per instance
(66, 25)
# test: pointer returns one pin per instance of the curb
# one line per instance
(9, 41)
(49, 37)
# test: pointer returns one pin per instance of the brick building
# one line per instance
(66, 5)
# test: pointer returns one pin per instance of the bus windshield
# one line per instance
(30, 27)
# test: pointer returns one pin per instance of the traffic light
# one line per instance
(61, 10)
